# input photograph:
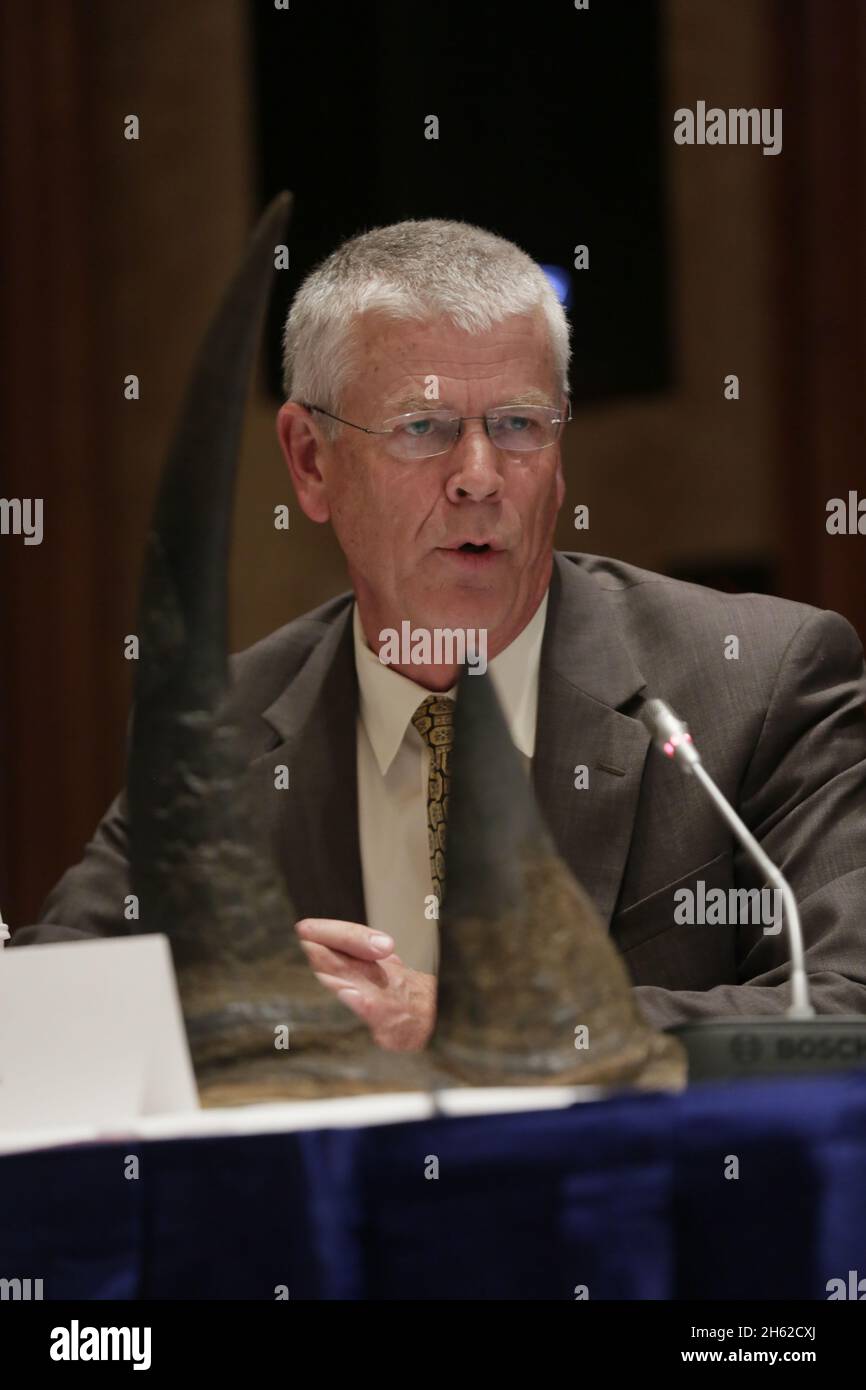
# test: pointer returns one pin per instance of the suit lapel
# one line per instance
(315, 828)
(587, 675)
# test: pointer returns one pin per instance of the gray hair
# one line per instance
(409, 270)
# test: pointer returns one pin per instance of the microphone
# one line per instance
(757, 1046)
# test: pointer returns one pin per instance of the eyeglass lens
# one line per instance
(517, 431)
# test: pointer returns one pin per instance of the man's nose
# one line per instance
(475, 465)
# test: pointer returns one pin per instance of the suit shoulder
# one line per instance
(674, 610)
(270, 663)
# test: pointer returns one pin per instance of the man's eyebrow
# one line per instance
(404, 405)
(532, 396)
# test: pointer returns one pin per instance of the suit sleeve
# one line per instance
(803, 796)
(88, 901)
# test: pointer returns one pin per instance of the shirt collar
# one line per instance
(388, 699)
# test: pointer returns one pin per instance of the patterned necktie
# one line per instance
(434, 720)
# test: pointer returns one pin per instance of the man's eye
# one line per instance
(517, 423)
(418, 428)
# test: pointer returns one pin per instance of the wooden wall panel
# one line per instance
(820, 240)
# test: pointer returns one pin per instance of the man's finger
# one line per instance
(349, 969)
(353, 938)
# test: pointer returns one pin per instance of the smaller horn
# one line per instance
(531, 987)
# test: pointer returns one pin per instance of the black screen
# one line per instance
(550, 133)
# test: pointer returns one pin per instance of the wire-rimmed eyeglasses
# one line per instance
(516, 429)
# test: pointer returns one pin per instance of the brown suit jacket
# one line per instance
(782, 729)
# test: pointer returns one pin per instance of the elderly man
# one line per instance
(426, 371)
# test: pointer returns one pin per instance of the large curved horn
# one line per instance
(531, 988)
(199, 865)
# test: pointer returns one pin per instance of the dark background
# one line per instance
(559, 144)
(556, 128)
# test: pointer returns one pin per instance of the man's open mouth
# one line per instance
(478, 551)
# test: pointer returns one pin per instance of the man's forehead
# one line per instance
(399, 355)
(405, 401)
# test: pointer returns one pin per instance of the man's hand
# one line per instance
(359, 966)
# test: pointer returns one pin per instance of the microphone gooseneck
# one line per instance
(672, 736)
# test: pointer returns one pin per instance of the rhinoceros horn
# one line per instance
(532, 989)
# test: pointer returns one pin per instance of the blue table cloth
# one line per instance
(627, 1198)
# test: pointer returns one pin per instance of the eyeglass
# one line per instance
(518, 429)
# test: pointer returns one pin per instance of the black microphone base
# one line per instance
(728, 1049)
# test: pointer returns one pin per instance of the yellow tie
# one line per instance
(434, 720)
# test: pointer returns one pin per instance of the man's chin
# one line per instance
(469, 606)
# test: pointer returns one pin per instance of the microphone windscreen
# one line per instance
(664, 726)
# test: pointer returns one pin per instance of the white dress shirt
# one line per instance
(392, 782)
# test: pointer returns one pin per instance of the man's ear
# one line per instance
(303, 447)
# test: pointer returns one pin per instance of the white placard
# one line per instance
(91, 1033)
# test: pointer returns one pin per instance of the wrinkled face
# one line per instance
(401, 522)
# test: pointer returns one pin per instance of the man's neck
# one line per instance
(403, 640)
